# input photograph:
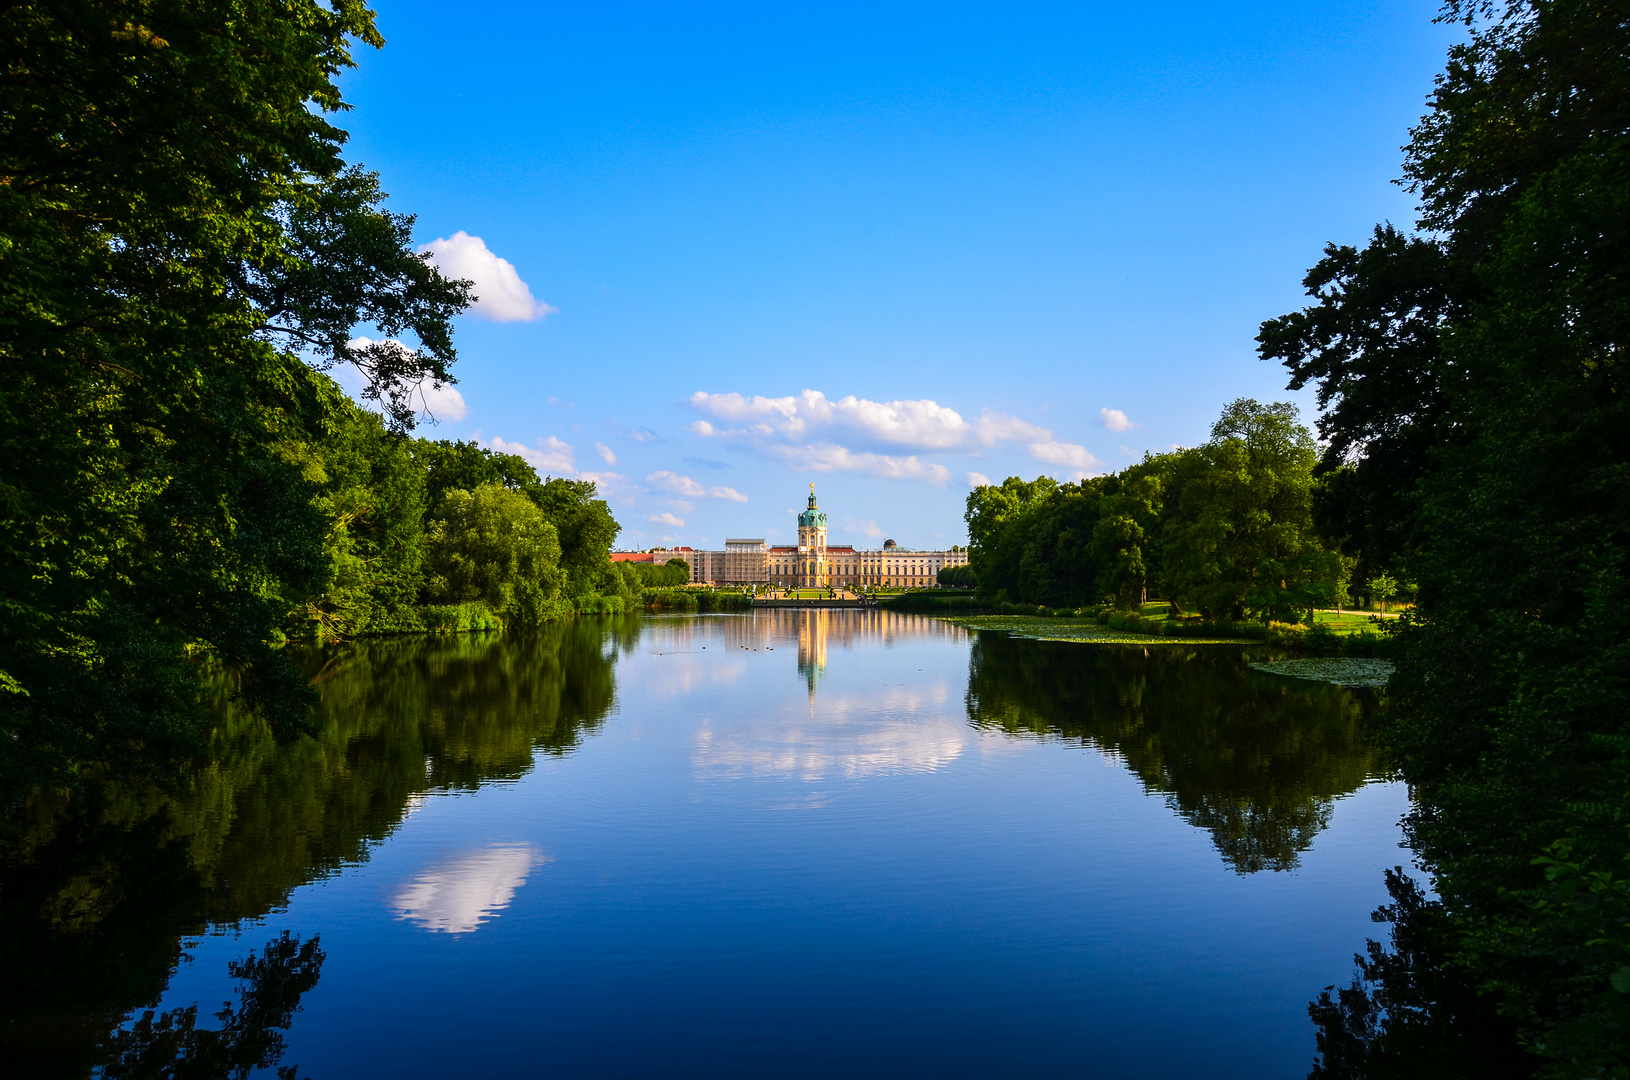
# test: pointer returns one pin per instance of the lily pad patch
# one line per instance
(1343, 671)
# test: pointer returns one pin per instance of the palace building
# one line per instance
(810, 564)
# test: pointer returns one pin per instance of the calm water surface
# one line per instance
(794, 843)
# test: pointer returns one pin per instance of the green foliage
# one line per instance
(929, 601)
(1226, 527)
(668, 575)
(1372, 345)
(464, 618)
(1240, 537)
(493, 545)
(176, 221)
(583, 522)
(372, 495)
(587, 531)
(1488, 413)
(457, 464)
(1383, 587)
(703, 601)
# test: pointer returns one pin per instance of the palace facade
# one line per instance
(809, 564)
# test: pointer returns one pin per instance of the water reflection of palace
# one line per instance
(815, 631)
(821, 628)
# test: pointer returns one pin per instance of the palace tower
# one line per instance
(812, 546)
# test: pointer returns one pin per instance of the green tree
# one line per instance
(587, 530)
(458, 464)
(1371, 344)
(494, 545)
(990, 509)
(176, 224)
(1239, 534)
(1383, 587)
(1509, 707)
(372, 495)
(666, 575)
(1126, 542)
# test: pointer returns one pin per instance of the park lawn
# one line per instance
(1349, 622)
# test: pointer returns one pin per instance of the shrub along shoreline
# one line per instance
(1315, 640)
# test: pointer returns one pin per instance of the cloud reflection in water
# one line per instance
(457, 896)
(896, 731)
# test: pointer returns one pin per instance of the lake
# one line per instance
(786, 843)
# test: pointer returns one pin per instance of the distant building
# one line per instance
(810, 564)
(746, 562)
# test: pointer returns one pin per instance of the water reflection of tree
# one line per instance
(250, 1036)
(99, 888)
(1254, 759)
(1408, 1015)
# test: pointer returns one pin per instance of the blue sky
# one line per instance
(886, 249)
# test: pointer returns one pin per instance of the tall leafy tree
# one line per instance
(180, 245)
(449, 464)
(495, 546)
(991, 509)
(371, 493)
(1239, 534)
(586, 528)
(1510, 706)
(1371, 344)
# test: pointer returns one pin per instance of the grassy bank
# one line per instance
(702, 601)
(1155, 622)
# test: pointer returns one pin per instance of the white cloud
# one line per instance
(500, 293)
(862, 526)
(810, 430)
(922, 424)
(438, 402)
(605, 453)
(919, 424)
(668, 519)
(555, 457)
(614, 486)
(1062, 453)
(441, 402)
(690, 489)
(978, 480)
(830, 457)
(679, 485)
(993, 428)
(1115, 420)
(552, 456)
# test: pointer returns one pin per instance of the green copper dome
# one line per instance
(813, 517)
